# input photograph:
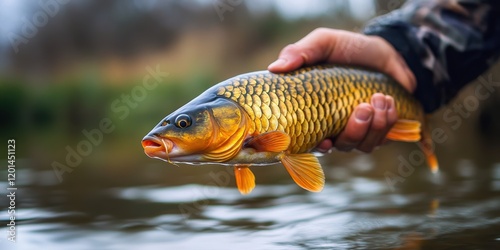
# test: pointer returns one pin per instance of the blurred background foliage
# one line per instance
(90, 53)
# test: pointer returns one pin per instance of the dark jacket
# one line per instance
(446, 43)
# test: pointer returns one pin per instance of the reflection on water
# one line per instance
(356, 212)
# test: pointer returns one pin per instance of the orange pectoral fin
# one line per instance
(275, 141)
(305, 171)
(245, 180)
(405, 130)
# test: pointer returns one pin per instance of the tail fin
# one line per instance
(427, 146)
(412, 131)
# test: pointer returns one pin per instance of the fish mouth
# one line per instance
(155, 147)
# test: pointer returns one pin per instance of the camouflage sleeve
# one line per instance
(446, 43)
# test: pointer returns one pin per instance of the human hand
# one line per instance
(369, 124)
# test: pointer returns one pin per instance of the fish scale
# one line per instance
(312, 103)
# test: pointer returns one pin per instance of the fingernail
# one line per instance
(379, 103)
(278, 63)
(363, 114)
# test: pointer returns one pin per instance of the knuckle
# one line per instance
(321, 31)
(353, 138)
(290, 48)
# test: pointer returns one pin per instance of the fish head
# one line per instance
(199, 132)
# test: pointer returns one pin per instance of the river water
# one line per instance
(354, 211)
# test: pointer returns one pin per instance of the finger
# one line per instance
(314, 47)
(356, 128)
(318, 45)
(411, 81)
(392, 116)
(393, 64)
(378, 125)
(372, 52)
(343, 47)
(290, 58)
(324, 146)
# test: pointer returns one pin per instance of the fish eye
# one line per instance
(183, 121)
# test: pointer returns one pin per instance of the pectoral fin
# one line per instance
(305, 171)
(275, 141)
(405, 130)
(245, 180)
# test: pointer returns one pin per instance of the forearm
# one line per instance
(446, 45)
